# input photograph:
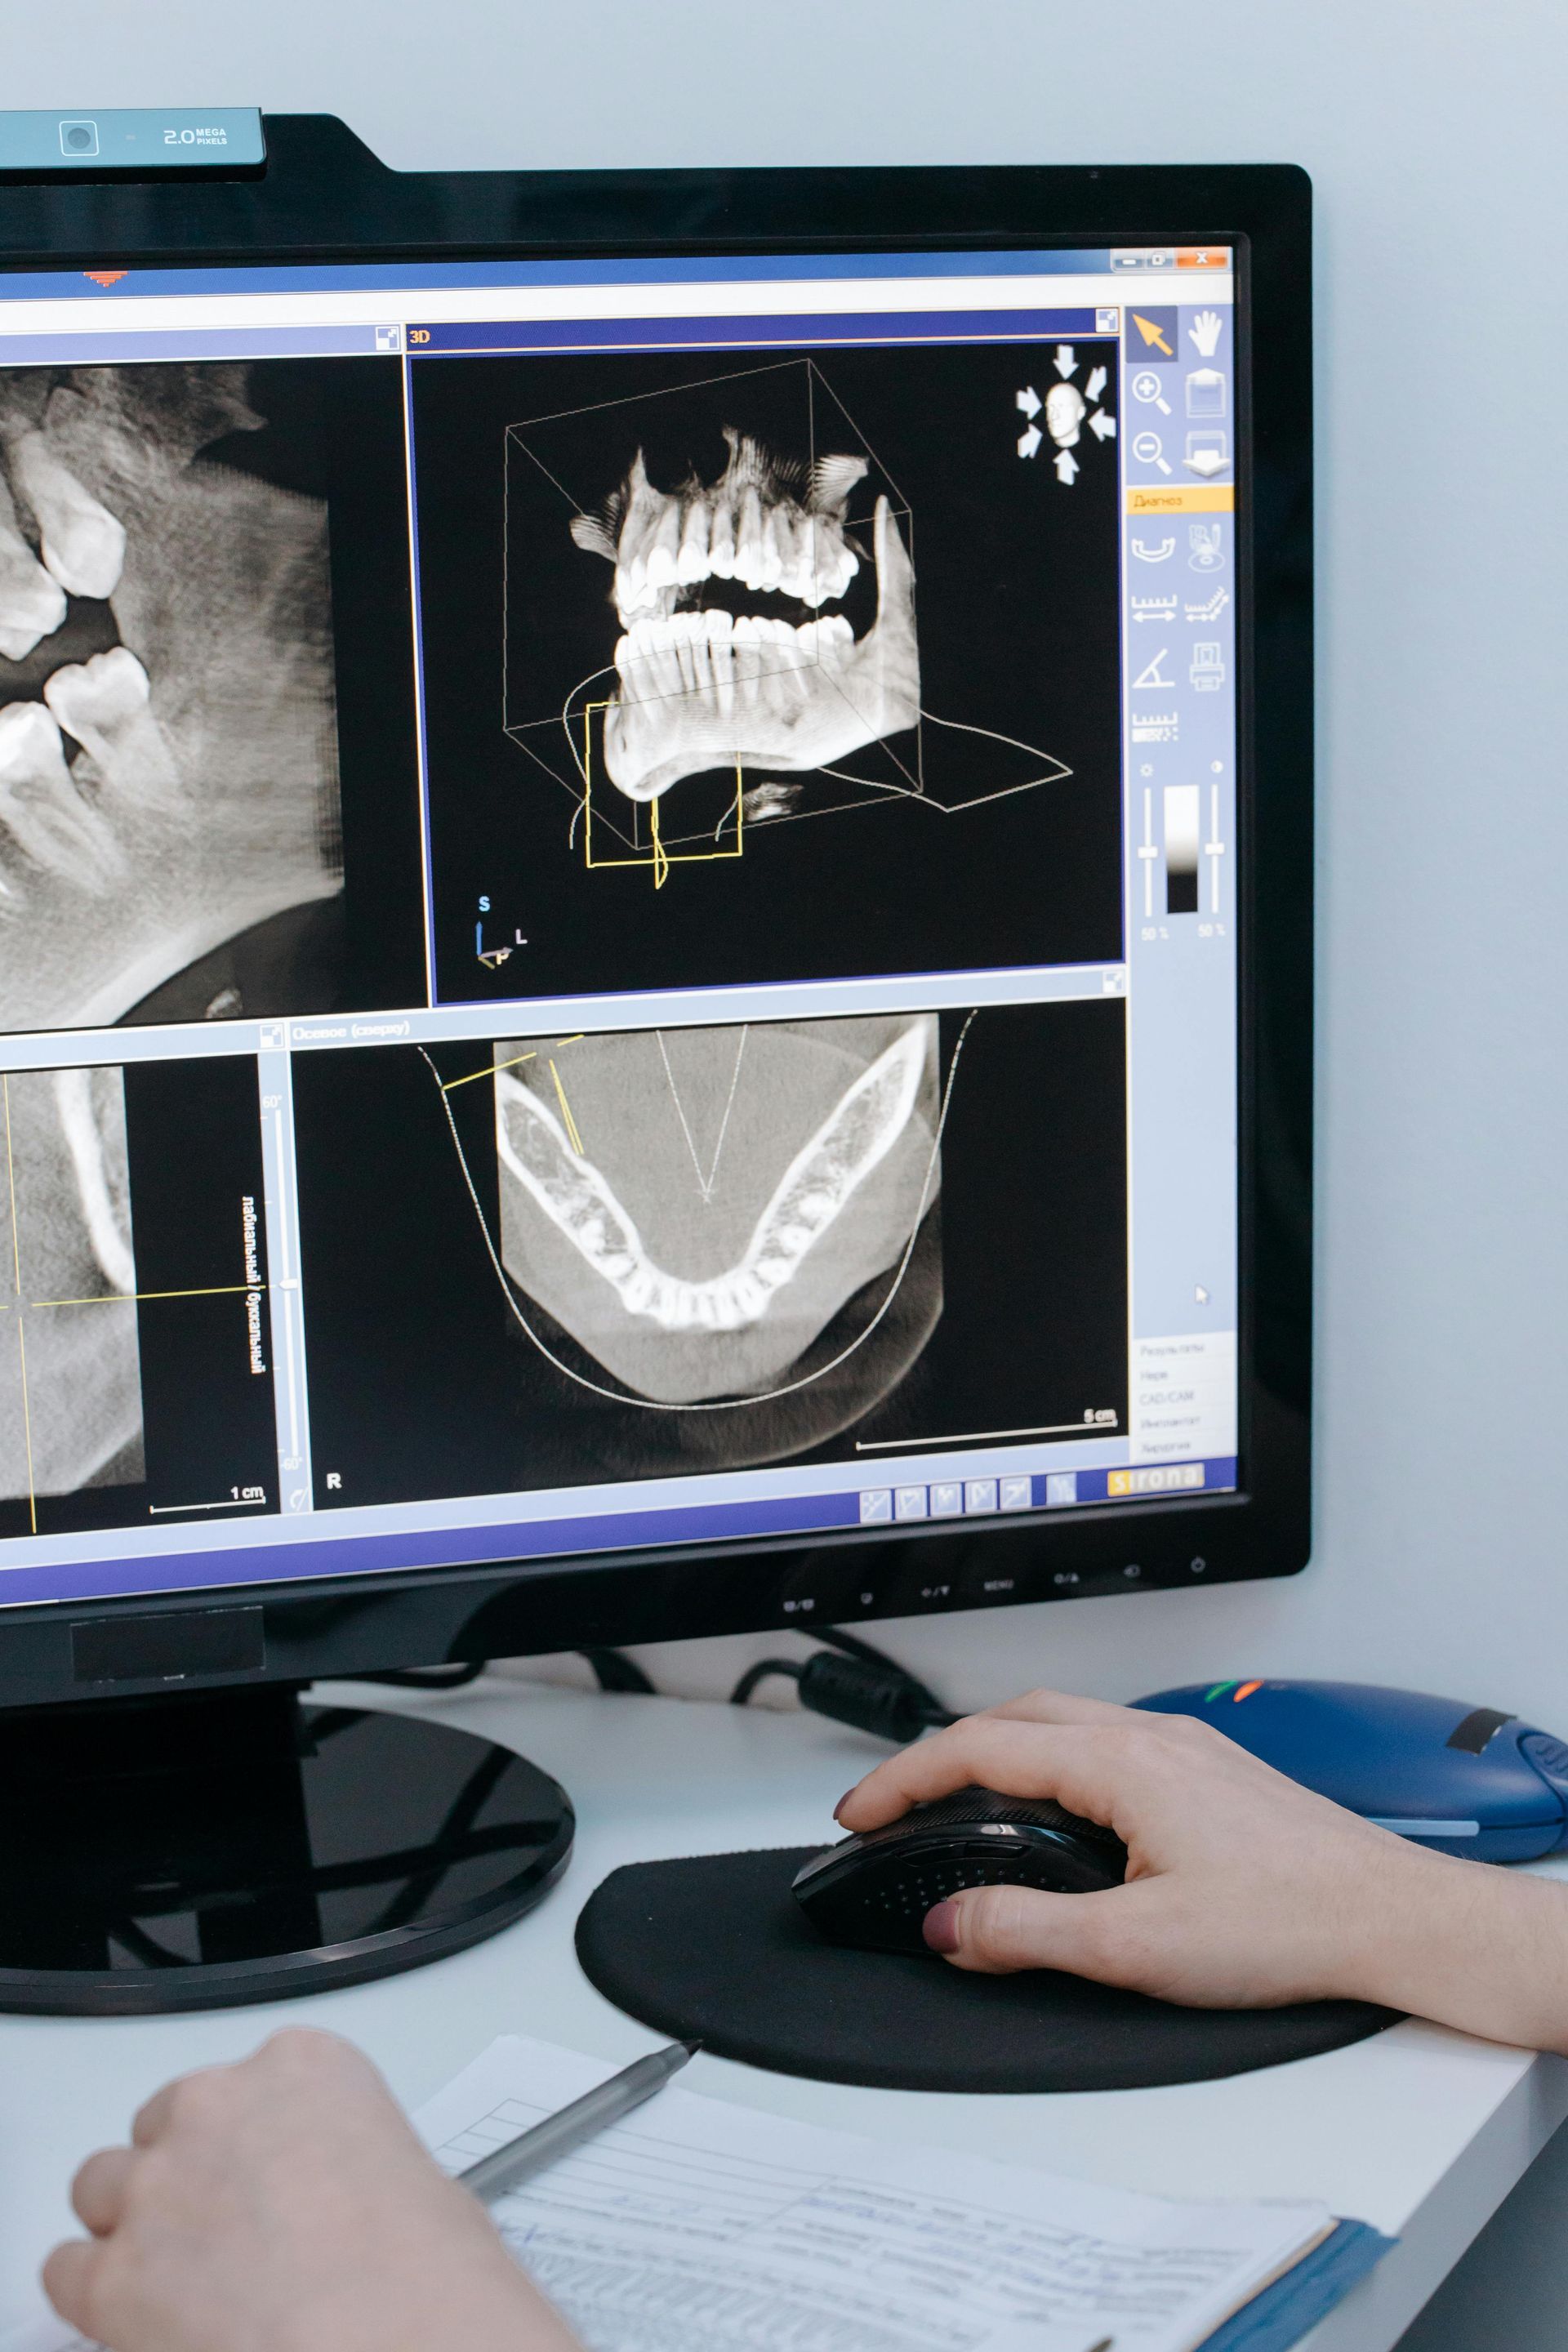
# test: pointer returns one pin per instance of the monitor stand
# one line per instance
(237, 1845)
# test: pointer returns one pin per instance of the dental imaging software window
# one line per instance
(616, 905)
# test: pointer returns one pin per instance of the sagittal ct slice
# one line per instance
(168, 751)
(71, 1371)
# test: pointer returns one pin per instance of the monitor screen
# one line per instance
(617, 891)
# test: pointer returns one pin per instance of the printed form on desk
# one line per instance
(694, 2225)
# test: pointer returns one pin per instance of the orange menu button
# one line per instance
(1203, 256)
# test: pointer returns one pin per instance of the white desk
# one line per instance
(1420, 2131)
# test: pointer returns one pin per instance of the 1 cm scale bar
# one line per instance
(232, 1503)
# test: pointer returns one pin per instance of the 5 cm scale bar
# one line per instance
(988, 1436)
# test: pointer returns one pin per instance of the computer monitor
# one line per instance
(655, 963)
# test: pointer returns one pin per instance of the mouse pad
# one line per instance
(716, 1949)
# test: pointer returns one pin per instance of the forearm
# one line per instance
(1243, 1888)
(1472, 1946)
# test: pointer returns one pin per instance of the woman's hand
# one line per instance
(284, 2205)
(1243, 1888)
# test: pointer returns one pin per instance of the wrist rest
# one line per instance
(715, 1949)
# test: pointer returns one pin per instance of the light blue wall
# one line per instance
(1434, 134)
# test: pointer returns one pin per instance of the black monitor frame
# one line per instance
(324, 196)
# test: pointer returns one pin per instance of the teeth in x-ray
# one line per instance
(103, 702)
(82, 545)
(224, 595)
(700, 692)
(32, 605)
(819, 1182)
(709, 652)
(748, 526)
(802, 556)
(701, 689)
(41, 808)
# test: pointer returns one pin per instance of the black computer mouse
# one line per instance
(876, 1889)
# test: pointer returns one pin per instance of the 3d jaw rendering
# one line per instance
(695, 1209)
(701, 685)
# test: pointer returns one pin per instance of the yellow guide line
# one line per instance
(516, 1058)
(128, 1298)
(490, 1072)
(573, 1137)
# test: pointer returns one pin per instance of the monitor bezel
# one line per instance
(326, 197)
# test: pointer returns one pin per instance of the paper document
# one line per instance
(697, 2226)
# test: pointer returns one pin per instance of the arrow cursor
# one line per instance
(1030, 441)
(1066, 360)
(1103, 428)
(1029, 401)
(1066, 467)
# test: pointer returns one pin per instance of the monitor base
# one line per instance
(236, 1846)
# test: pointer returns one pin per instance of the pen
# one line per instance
(560, 2134)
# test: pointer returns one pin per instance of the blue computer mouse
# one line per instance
(1464, 1779)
